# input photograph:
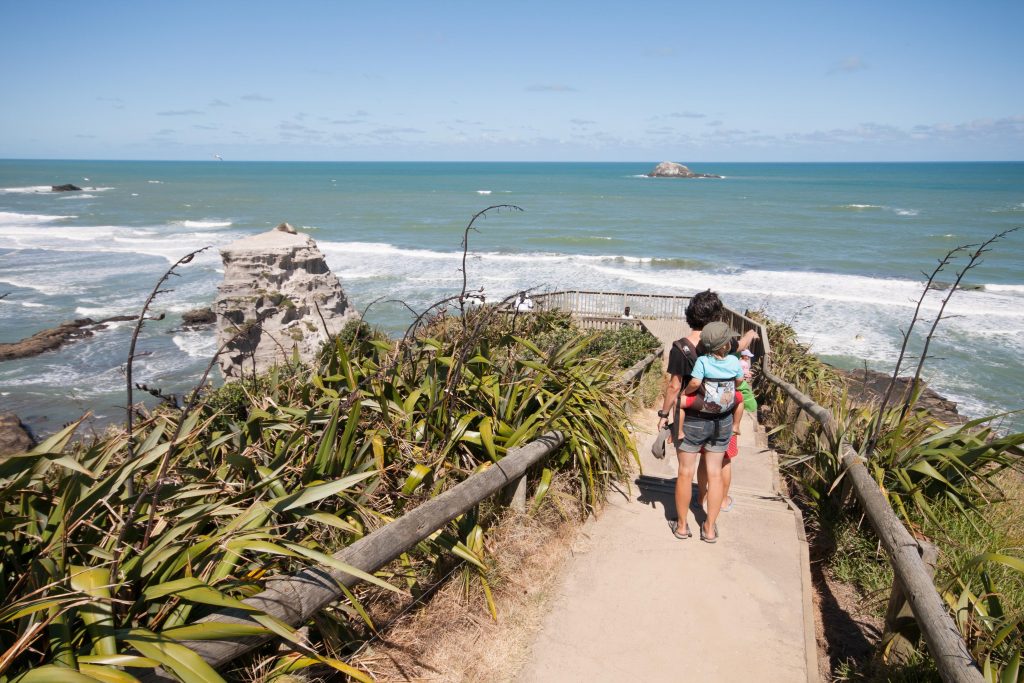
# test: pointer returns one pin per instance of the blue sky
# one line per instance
(547, 81)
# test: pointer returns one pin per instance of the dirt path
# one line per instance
(636, 604)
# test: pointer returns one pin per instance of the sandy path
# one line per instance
(636, 604)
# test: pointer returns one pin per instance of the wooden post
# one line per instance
(902, 633)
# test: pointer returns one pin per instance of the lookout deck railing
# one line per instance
(612, 304)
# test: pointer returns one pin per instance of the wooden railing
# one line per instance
(613, 304)
(295, 599)
(908, 556)
(913, 575)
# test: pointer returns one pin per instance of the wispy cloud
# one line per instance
(550, 87)
(847, 65)
(179, 112)
(582, 122)
(345, 122)
(256, 97)
(686, 115)
(218, 103)
(85, 136)
(396, 131)
(115, 102)
(204, 126)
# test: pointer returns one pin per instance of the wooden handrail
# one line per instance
(294, 599)
(952, 658)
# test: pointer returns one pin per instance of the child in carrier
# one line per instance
(713, 388)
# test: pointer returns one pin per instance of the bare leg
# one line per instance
(702, 481)
(684, 482)
(726, 480)
(714, 465)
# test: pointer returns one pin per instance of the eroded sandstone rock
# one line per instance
(282, 279)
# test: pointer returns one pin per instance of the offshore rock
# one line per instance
(198, 317)
(68, 187)
(670, 169)
(867, 387)
(279, 278)
(55, 337)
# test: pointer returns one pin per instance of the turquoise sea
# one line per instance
(837, 250)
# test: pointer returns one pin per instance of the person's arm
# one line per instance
(746, 340)
(692, 387)
(669, 399)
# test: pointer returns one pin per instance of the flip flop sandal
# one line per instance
(728, 507)
(704, 538)
(674, 526)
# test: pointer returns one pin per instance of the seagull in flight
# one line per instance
(218, 157)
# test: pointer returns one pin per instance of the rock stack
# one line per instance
(670, 169)
(280, 278)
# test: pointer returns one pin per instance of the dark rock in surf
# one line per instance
(68, 187)
(868, 387)
(670, 169)
(198, 317)
(55, 337)
(14, 435)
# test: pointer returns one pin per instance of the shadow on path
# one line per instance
(654, 490)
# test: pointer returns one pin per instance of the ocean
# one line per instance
(835, 250)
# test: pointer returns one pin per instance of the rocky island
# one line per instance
(670, 169)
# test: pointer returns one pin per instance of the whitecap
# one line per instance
(906, 212)
(197, 344)
(155, 182)
(79, 196)
(483, 191)
(12, 218)
(42, 288)
(204, 224)
(34, 189)
(1011, 289)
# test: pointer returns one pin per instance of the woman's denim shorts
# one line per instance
(711, 435)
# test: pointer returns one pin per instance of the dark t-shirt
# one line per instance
(681, 359)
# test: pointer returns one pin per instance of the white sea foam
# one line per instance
(11, 218)
(906, 212)
(860, 207)
(202, 225)
(155, 182)
(100, 312)
(34, 189)
(41, 287)
(483, 191)
(1012, 289)
(196, 343)
(78, 196)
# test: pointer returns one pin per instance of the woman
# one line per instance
(705, 307)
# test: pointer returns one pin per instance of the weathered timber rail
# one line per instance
(295, 599)
(906, 554)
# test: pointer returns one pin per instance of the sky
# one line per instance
(514, 81)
